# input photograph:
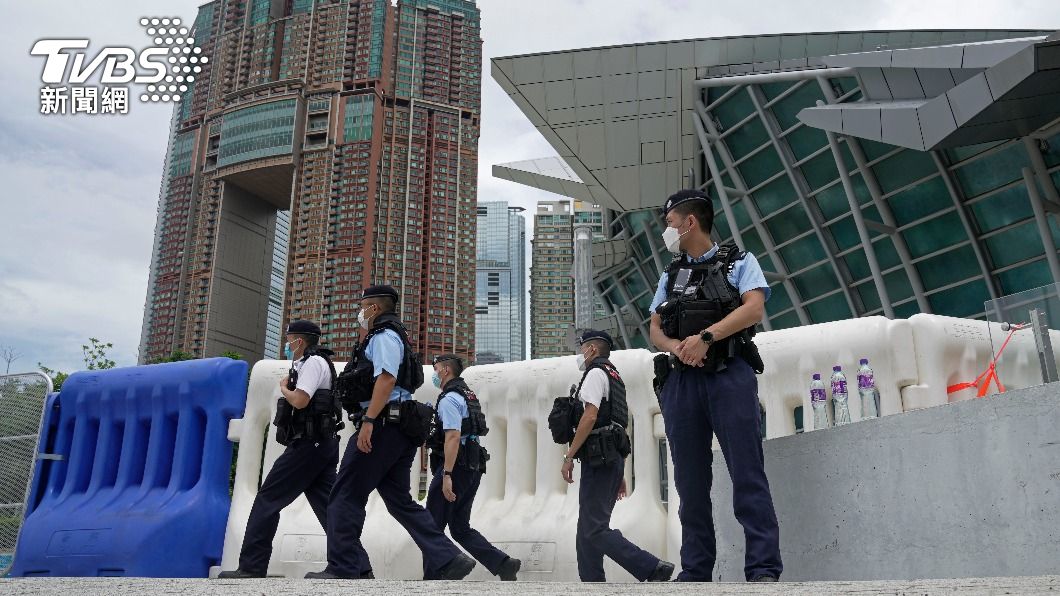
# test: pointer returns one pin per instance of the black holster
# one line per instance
(602, 446)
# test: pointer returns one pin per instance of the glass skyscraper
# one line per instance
(500, 285)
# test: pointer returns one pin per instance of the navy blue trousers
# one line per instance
(596, 539)
(695, 404)
(386, 469)
(457, 516)
(304, 467)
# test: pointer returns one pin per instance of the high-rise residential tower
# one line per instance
(323, 146)
(500, 301)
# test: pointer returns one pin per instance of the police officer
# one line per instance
(379, 457)
(308, 424)
(601, 443)
(708, 301)
(458, 461)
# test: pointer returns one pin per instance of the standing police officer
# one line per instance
(308, 420)
(458, 461)
(379, 457)
(708, 301)
(601, 443)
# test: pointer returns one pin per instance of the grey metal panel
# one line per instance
(935, 81)
(985, 55)
(589, 113)
(652, 179)
(689, 92)
(823, 118)
(940, 57)
(589, 91)
(1049, 56)
(791, 63)
(535, 94)
(559, 94)
(504, 65)
(903, 83)
(961, 75)
(621, 87)
(562, 116)
(926, 38)
(592, 144)
(1011, 72)
(651, 85)
(620, 60)
(873, 84)
(625, 109)
(765, 66)
(936, 121)
(863, 123)
(569, 135)
(673, 83)
(861, 59)
(623, 148)
(652, 152)
(559, 66)
(624, 184)
(680, 54)
(710, 52)
(821, 44)
(874, 40)
(792, 46)
(529, 110)
(969, 98)
(655, 128)
(849, 42)
(528, 69)
(588, 63)
(899, 39)
(651, 57)
(655, 106)
(741, 68)
(767, 48)
(816, 63)
(741, 50)
(901, 126)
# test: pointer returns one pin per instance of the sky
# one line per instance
(79, 194)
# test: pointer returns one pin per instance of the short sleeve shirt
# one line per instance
(387, 351)
(595, 388)
(313, 374)
(452, 409)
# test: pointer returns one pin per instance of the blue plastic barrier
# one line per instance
(141, 488)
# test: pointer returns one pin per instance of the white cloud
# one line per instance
(79, 194)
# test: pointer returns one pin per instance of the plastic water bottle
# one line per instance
(819, 401)
(839, 396)
(870, 397)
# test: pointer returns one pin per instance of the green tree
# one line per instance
(56, 376)
(233, 355)
(175, 356)
(96, 355)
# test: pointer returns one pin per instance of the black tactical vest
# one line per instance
(473, 425)
(699, 295)
(410, 373)
(614, 409)
(321, 419)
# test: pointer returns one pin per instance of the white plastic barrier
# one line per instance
(951, 350)
(792, 356)
(523, 505)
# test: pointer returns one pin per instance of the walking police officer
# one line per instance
(458, 461)
(708, 301)
(308, 420)
(379, 456)
(601, 443)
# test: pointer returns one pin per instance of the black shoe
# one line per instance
(240, 574)
(663, 572)
(458, 568)
(765, 579)
(509, 568)
(327, 575)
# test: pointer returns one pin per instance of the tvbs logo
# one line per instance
(167, 69)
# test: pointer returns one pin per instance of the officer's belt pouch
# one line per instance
(750, 353)
(623, 443)
(283, 419)
(663, 368)
(471, 456)
(693, 316)
(601, 447)
(415, 421)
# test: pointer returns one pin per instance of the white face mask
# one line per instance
(361, 317)
(581, 362)
(672, 239)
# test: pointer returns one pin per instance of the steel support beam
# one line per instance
(1043, 224)
(966, 222)
(859, 223)
(801, 191)
(1041, 170)
(752, 210)
(886, 214)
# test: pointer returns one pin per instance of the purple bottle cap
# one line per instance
(864, 360)
(837, 368)
(816, 376)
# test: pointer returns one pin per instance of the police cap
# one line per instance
(380, 292)
(591, 334)
(303, 327)
(684, 196)
(448, 358)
